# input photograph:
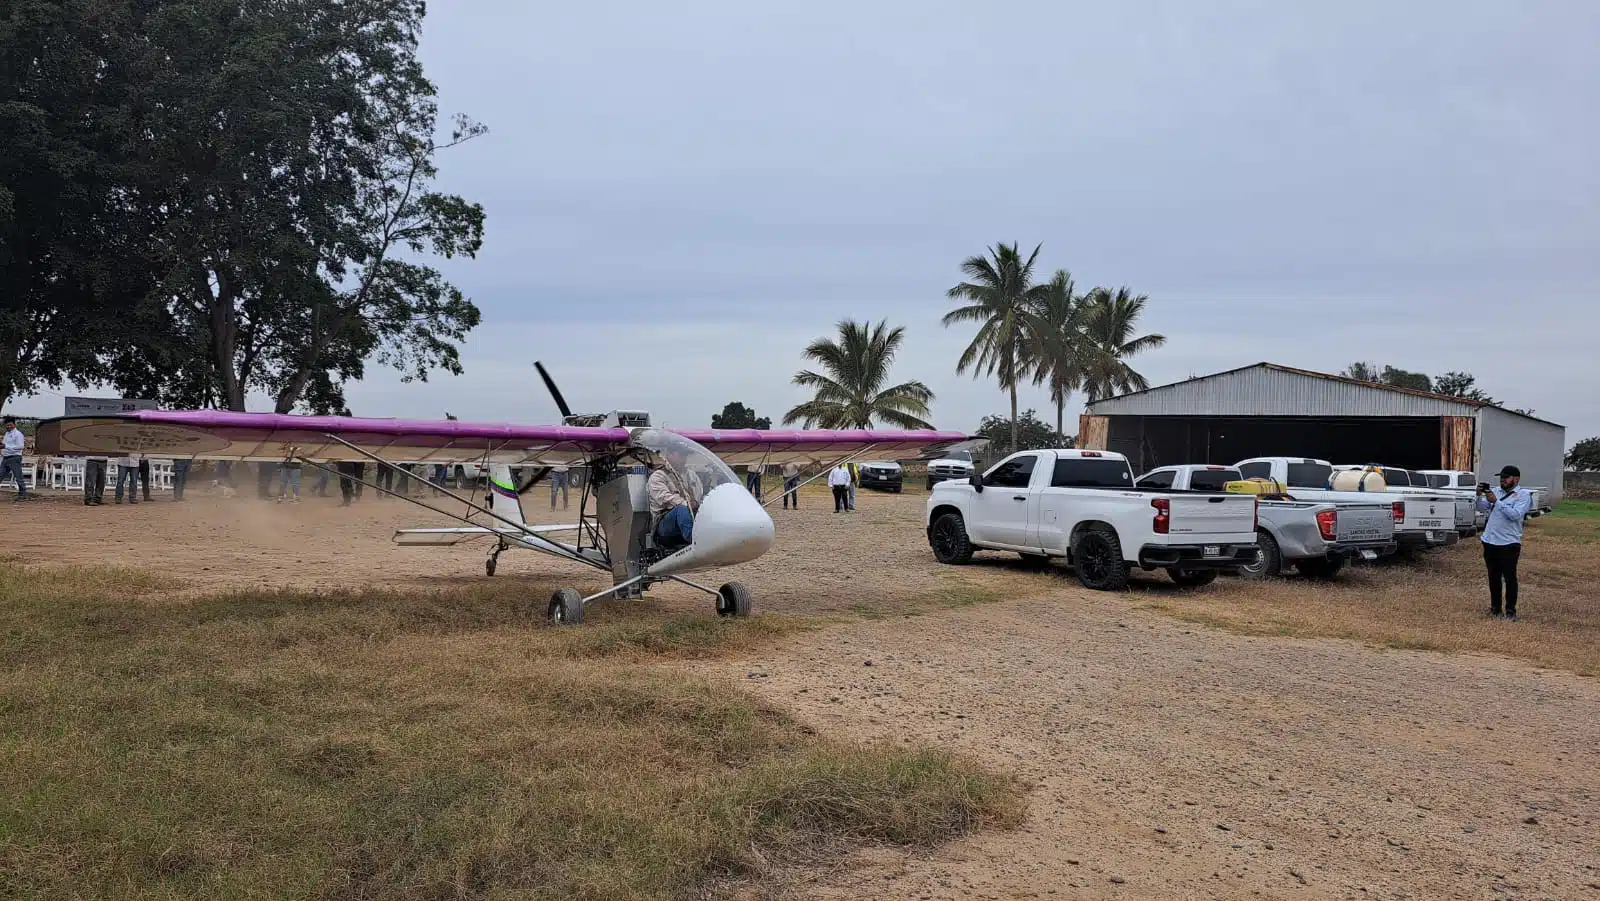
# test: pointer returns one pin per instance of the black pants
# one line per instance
(144, 477)
(349, 475)
(1501, 561)
(94, 481)
(791, 492)
(841, 498)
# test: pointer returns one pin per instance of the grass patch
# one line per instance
(389, 745)
(1436, 603)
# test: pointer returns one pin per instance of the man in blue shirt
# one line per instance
(1502, 537)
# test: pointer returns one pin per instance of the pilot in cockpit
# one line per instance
(674, 499)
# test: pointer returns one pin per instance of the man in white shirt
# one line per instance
(11, 457)
(791, 485)
(839, 481)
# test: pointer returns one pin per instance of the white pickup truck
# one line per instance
(1316, 537)
(1418, 522)
(1083, 506)
(1404, 481)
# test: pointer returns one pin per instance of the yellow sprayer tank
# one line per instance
(1254, 486)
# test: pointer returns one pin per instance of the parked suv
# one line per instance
(884, 475)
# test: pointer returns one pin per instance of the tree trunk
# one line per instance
(1061, 413)
(1014, 438)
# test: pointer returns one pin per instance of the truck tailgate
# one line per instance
(1213, 514)
(1429, 513)
(1360, 523)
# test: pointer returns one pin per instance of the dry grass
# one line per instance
(292, 745)
(1437, 603)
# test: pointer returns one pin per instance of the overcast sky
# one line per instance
(681, 196)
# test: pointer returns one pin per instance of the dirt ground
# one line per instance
(1163, 759)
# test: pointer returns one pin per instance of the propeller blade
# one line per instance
(561, 402)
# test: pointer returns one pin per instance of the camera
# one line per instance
(1483, 486)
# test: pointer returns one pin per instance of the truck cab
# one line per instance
(1082, 506)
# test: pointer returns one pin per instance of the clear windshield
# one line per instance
(685, 458)
(960, 455)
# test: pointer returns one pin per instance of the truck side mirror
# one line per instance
(977, 481)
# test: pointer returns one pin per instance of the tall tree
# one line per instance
(850, 392)
(1362, 372)
(1461, 384)
(74, 263)
(1034, 434)
(1390, 375)
(288, 149)
(1111, 321)
(997, 294)
(736, 415)
(1055, 330)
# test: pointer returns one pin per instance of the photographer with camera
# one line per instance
(1502, 536)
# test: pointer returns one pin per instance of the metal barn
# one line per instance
(1271, 410)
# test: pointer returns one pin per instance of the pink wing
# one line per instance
(223, 435)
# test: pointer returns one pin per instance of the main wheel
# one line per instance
(1320, 568)
(488, 566)
(733, 599)
(1192, 578)
(949, 541)
(566, 608)
(1097, 560)
(1269, 561)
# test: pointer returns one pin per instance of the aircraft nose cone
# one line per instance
(731, 528)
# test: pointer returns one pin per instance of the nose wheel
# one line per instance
(733, 599)
(490, 564)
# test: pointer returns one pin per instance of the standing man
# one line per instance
(94, 481)
(1502, 536)
(558, 482)
(855, 479)
(791, 485)
(180, 477)
(11, 457)
(289, 480)
(128, 474)
(839, 481)
(752, 480)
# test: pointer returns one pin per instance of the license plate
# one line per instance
(1431, 523)
(1212, 550)
(1369, 555)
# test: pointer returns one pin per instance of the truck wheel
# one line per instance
(1320, 569)
(949, 541)
(1193, 578)
(1097, 560)
(1269, 560)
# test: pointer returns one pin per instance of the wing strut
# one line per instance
(523, 533)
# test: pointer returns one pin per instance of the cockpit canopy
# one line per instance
(684, 458)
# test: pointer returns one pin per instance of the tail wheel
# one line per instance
(733, 599)
(1097, 559)
(566, 608)
(949, 540)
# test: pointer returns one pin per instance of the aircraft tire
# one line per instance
(566, 608)
(488, 567)
(733, 599)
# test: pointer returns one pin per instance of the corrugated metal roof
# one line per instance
(1268, 389)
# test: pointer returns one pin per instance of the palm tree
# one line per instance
(1110, 321)
(999, 290)
(1055, 329)
(851, 394)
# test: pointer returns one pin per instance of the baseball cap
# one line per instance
(1509, 471)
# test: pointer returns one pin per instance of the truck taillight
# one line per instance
(1163, 520)
(1328, 524)
(1399, 508)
